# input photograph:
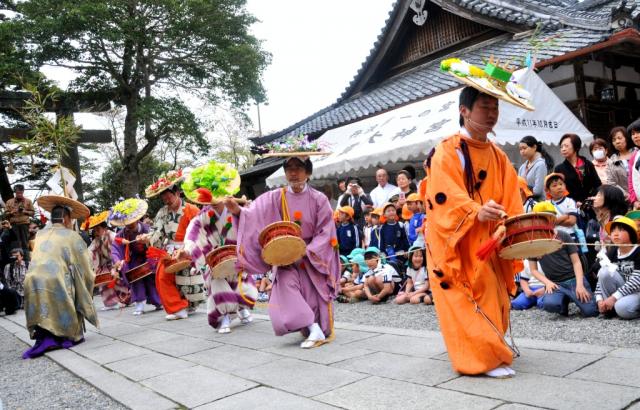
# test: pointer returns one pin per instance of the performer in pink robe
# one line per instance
(303, 292)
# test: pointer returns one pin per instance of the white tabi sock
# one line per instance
(315, 332)
(226, 321)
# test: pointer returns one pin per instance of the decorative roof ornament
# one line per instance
(421, 15)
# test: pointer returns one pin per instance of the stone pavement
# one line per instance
(148, 363)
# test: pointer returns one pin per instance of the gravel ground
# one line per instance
(42, 383)
(532, 323)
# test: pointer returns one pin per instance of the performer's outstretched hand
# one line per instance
(491, 211)
(232, 205)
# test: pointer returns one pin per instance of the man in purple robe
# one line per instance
(303, 292)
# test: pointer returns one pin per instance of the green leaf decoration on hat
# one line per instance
(221, 179)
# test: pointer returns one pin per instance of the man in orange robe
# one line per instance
(472, 186)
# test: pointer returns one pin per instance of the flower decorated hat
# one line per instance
(95, 220)
(210, 183)
(163, 183)
(78, 209)
(127, 212)
(298, 147)
(494, 79)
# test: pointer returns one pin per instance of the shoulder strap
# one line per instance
(284, 205)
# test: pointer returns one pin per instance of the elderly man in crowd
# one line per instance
(380, 195)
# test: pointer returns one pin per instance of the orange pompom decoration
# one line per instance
(297, 215)
(490, 245)
(155, 253)
(204, 195)
(118, 240)
(334, 242)
(229, 219)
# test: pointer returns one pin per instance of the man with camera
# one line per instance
(20, 210)
(356, 199)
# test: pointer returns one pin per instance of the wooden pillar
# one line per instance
(581, 90)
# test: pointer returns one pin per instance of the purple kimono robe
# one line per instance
(303, 292)
(143, 289)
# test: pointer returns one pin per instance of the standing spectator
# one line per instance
(7, 241)
(536, 166)
(580, 175)
(33, 231)
(380, 195)
(634, 165)
(610, 172)
(623, 147)
(19, 210)
(376, 225)
(393, 237)
(414, 232)
(342, 188)
(356, 199)
(349, 234)
(618, 288)
(404, 189)
(366, 230)
(412, 174)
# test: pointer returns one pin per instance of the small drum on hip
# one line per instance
(529, 236)
(282, 243)
(222, 262)
(102, 279)
(139, 272)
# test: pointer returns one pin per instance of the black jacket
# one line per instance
(579, 190)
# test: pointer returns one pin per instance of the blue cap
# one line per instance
(356, 251)
(372, 249)
(359, 259)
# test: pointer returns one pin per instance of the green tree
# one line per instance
(144, 54)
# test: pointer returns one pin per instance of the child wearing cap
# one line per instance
(366, 229)
(393, 237)
(381, 280)
(567, 211)
(349, 234)
(374, 237)
(345, 270)
(354, 291)
(417, 285)
(415, 205)
(618, 288)
(564, 279)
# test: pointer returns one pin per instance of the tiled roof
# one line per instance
(576, 24)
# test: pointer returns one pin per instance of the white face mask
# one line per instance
(598, 154)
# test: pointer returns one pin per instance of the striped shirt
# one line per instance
(628, 266)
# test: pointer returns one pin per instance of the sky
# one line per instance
(317, 47)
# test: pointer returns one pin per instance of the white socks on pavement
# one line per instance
(316, 337)
(139, 308)
(225, 324)
(181, 314)
(245, 316)
(501, 373)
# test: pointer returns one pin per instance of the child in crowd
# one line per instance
(349, 234)
(263, 283)
(345, 270)
(354, 291)
(381, 280)
(566, 209)
(393, 237)
(415, 205)
(532, 290)
(564, 278)
(618, 289)
(526, 195)
(417, 285)
(366, 230)
(374, 238)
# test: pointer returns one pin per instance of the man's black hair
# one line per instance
(18, 188)
(307, 164)
(58, 212)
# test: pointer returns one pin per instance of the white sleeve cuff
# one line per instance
(617, 295)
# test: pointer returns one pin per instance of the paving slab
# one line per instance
(393, 366)
(547, 391)
(265, 398)
(146, 336)
(551, 363)
(229, 358)
(625, 352)
(148, 365)
(516, 406)
(381, 393)
(178, 346)
(113, 352)
(326, 354)
(404, 345)
(204, 331)
(257, 340)
(562, 346)
(617, 370)
(298, 377)
(120, 329)
(197, 385)
(93, 340)
(129, 393)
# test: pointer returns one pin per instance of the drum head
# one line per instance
(530, 249)
(284, 250)
(178, 266)
(225, 269)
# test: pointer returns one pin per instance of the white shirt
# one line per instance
(380, 195)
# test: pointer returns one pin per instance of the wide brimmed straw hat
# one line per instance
(623, 220)
(495, 80)
(298, 147)
(78, 209)
(211, 183)
(128, 211)
(163, 183)
(95, 220)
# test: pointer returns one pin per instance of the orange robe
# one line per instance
(458, 279)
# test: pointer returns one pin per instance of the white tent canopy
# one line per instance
(409, 132)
